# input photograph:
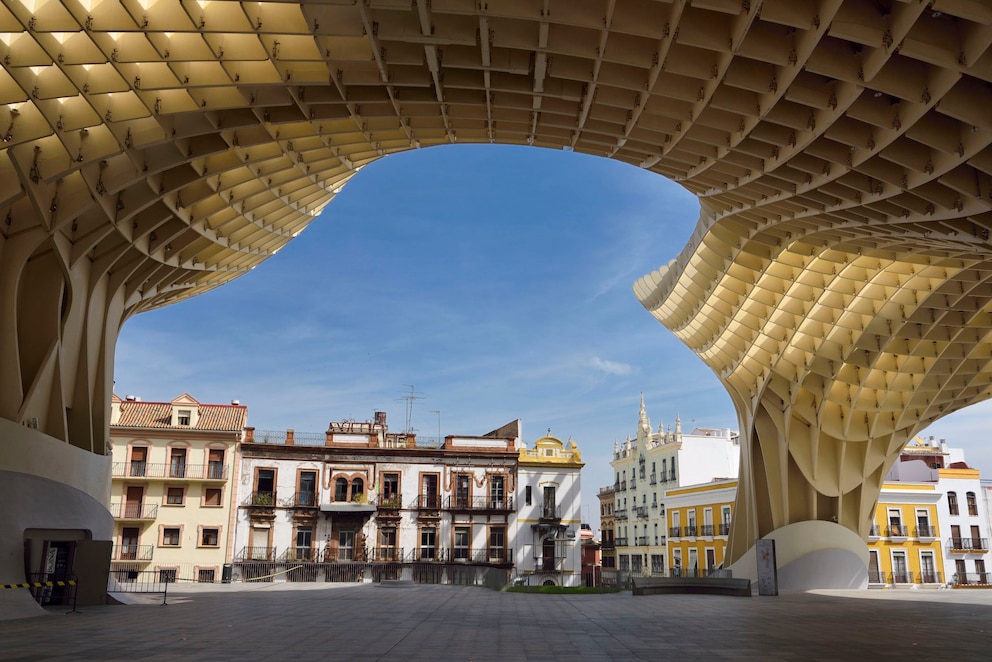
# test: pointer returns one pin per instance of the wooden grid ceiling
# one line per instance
(839, 148)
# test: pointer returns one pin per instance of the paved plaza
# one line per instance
(373, 622)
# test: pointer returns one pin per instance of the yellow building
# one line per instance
(904, 545)
(172, 489)
(699, 518)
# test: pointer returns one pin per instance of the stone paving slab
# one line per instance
(370, 622)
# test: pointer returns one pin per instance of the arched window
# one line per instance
(341, 489)
(952, 502)
(357, 488)
(972, 503)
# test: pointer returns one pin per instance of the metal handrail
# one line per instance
(132, 552)
(926, 531)
(706, 530)
(261, 499)
(127, 510)
(136, 469)
(490, 502)
(674, 532)
(969, 544)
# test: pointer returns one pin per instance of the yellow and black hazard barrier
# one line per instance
(68, 582)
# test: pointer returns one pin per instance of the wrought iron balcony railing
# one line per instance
(674, 532)
(304, 500)
(690, 531)
(621, 542)
(875, 531)
(549, 511)
(898, 531)
(257, 554)
(706, 530)
(926, 531)
(427, 502)
(654, 478)
(968, 544)
(261, 499)
(138, 469)
(929, 577)
(725, 529)
(133, 510)
(620, 514)
(479, 503)
(128, 552)
(972, 578)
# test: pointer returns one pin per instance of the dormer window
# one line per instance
(183, 417)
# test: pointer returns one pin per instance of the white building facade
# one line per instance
(649, 464)
(358, 494)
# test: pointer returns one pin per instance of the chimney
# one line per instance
(380, 418)
(249, 435)
(129, 398)
(289, 437)
(235, 402)
(943, 445)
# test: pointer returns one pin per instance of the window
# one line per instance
(357, 489)
(952, 502)
(428, 544)
(550, 502)
(624, 562)
(306, 489)
(657, 564)
(387, 545)
(874, 574)
(341, 489)
(528, 498)
(215, 463)
(139, 461)
(177, 463)
(171, 536)
(635, 563)
(900, 575)
(346, 545)
(895, 523)
(428, 491)
(209, 537)
(609, 562)
(462, 490)
(175, 496)
(462, 542)
(213, 496)
(205, 575)
(265, 487)
(183, 416)
(497, 543)
(972, 503)
(390, 489)
(928, 570)
(725, 521)
(167, 575)
(304, 543)
(497, 491)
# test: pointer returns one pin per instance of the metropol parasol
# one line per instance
(837, 281)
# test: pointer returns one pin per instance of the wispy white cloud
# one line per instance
(611, 367)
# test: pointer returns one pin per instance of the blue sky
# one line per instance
(496, 280)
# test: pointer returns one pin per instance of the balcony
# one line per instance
(900, 531)
(480, 503)
(132, 552)
(641, 540)
(968, 545)
(654, 479)
(620, 514)
(427, 555)
(902, 577)
(876, 577)
(623, 486)
(303, 500)
(427, 502)
(929, 577)
(633, 483)
(256, 554)
(641, 511)
(925, 531)
(299, 555)
(261, 499)
(386, 554)
(706, 530)
(674, 532)
(875, 532)
(690, 531)
(133, 511)
(550, 512)
(170, 470)
(725, 529)
(621, 542)
(608, 544)
(972, 579)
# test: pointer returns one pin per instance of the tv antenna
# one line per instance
(410, 399)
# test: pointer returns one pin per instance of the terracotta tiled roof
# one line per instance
(159, 415)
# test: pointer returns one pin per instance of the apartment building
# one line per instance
(699, 518)
(645, 467)
(607, 528)
(931, 526)
(172, 485)
(454, 510)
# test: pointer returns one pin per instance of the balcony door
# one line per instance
(550, 502)
(307, 492)
(497, 493)
(548, 555)
(428, 491)
(928, 571)
(177, 463)
(129, 543)
(899, 573)
(132, 501)
(461, 490)
(139, 461)
(215, 463)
